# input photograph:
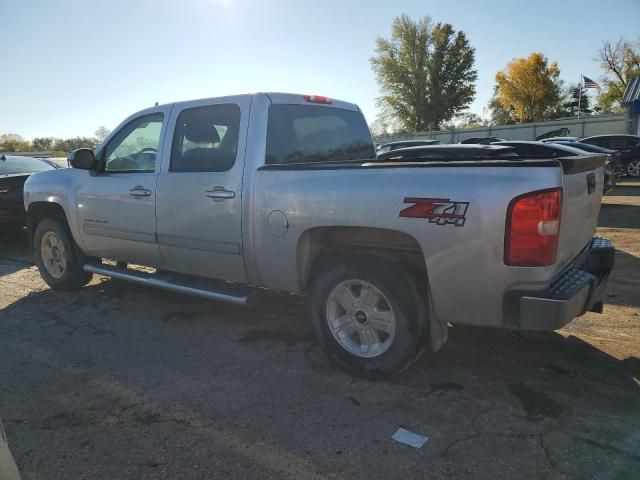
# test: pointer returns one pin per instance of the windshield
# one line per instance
(13, 165)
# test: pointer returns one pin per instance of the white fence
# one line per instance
(583, 127)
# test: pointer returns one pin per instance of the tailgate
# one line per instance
(582, 184)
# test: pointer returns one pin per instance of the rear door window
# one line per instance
(206, 139)
(306, 133)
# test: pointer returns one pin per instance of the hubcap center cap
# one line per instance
(361, 317)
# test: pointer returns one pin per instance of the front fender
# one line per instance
(55, 187)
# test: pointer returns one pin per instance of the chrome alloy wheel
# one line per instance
(53, 253)
(360, 318)
(633, 168)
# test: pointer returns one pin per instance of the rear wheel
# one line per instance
(633, 168)
(368, 316)
(57, 256)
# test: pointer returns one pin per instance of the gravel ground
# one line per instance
(121, 382)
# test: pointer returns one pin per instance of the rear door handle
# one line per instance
(139, 191)
(219, 193)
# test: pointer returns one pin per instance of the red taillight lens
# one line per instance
(533, 225)
(318, 99)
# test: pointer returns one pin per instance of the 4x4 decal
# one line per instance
(441, 211)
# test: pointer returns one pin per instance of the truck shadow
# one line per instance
(619, 216)
(626, 190)
(132, 338)
(15, 253)
(624, 282)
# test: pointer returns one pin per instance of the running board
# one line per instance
(153, 280)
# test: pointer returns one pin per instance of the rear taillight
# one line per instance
(318, 99)
(533, 225)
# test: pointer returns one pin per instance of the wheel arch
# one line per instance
(40, 210)
(320, 244)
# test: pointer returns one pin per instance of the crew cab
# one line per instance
(225, 197)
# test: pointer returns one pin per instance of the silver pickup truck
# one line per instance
(226, 196)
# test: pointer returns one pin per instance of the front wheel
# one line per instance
(57, 257)
(368, 316)
(633, 168)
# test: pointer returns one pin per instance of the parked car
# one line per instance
(285, 192)
(481, 140)
(615, 165)
(449, 153)
(14, 171)
(8, 467)
(387, 147)
(559, 139)
(553, 150)
(627, 145)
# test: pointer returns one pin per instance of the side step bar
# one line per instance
(151, 280)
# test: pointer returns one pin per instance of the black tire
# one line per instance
(402, 292)
(73, 277)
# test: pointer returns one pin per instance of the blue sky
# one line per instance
(71, 66)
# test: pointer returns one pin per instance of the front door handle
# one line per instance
(219, 193)
(139, 191)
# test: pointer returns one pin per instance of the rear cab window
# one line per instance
(308, 133)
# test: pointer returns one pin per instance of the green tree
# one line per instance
(425, 73)
(469, 120)
(44, 143)
(12, 142)
(530, 87)
(69, 144)
(569, 107)
(620, 62)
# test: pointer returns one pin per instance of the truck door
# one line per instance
(200, 189)
(116, 208)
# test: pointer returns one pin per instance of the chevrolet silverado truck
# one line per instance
(225, 197)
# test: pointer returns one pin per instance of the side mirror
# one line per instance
(82, 158)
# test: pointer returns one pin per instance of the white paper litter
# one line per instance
(409, 438)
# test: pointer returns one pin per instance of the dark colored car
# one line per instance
(14, 171)
(627, 145)
(446, 153)
(481, 140)
(615, 164)
(551, 150)
(388, 147)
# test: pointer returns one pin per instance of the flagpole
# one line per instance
(579, 94)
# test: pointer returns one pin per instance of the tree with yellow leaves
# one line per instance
(529, 88)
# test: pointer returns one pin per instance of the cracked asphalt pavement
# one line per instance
(118, 381)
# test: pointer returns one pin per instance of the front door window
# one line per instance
(135, 147)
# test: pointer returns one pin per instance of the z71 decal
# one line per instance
(441, 211)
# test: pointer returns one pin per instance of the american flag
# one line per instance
(588, 83)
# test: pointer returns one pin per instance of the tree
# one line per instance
(12, 142)
(570, 103)
(69, 144)
(530, 87)
(500, 115)
(44, 143)
(101, 133)
(620, 62)
(425, 72)
(469, 120)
